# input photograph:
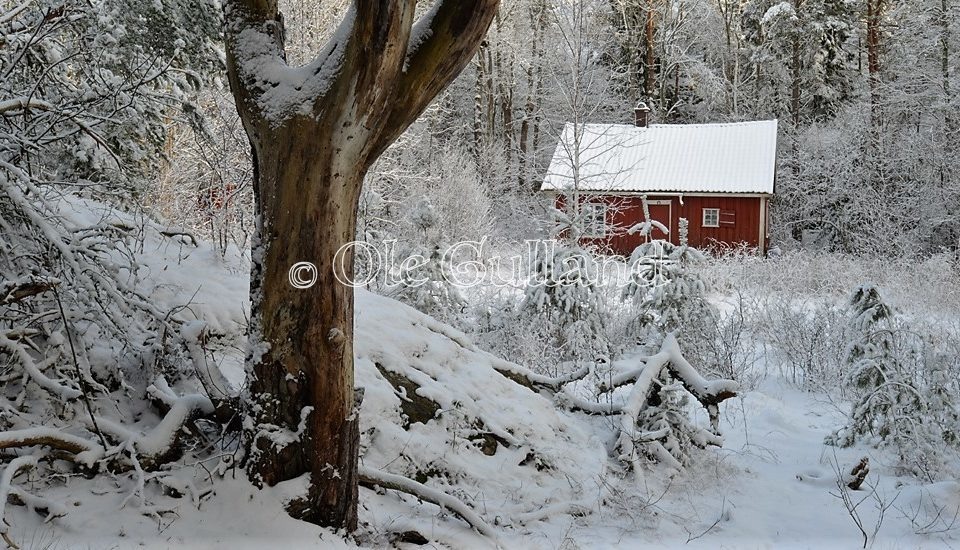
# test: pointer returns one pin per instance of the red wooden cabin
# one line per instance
(720, 177)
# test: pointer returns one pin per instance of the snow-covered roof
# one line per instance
(677, 158)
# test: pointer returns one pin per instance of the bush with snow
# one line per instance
(900, 382)
(562, 305)
(668, 295)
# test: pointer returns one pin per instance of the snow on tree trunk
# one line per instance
(314, 132)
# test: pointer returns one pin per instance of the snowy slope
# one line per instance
(538, 445)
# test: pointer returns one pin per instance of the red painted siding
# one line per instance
(739, 220)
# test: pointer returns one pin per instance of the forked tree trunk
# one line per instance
(314, 132)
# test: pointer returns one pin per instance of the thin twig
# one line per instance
(76, 366)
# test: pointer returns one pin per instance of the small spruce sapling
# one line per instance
(874, 369)
(562, 303)
(671, 298)
(900, 402)
(668, 409)
(427, 285)
(669, 295)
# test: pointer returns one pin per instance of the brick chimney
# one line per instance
(641, 114)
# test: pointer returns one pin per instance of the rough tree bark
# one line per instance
(874, 18)
(314, 131)
(649, 47)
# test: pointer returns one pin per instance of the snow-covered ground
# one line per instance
(550, 482)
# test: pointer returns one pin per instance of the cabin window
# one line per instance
(711, 217)
(594, 220)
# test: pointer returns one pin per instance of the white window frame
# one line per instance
(716, 217)
(590, 219)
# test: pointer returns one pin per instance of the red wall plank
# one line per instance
(623, 212)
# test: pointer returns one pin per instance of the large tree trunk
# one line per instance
(307, 197)
(314, 132)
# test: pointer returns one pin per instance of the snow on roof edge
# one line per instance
(731, 158)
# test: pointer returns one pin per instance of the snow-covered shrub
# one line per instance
(726, 343)
(429, 287)
(408, 173)
(423, 275)
(668, 295)
(656, 421)
(91, 359)
(887, 393)
(205, 185)
(806, 339)
(901, 384)
(562, 306)
(496, 312)
(110, 72)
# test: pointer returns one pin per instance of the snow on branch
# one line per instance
(371, 478)
(528, 378)
(647, 382)
(24, 103)
(590, 407)
(213, 380)
(645, 229)
(12, 14)
(623, 378)
(15, 495)
(24, 287)
(637, 400)
(33, 370)
(19, 105)
(162, 438)
(709, 393)
(6, 480)
(158, 443)
(85, 452)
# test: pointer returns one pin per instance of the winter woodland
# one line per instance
(165, 384)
